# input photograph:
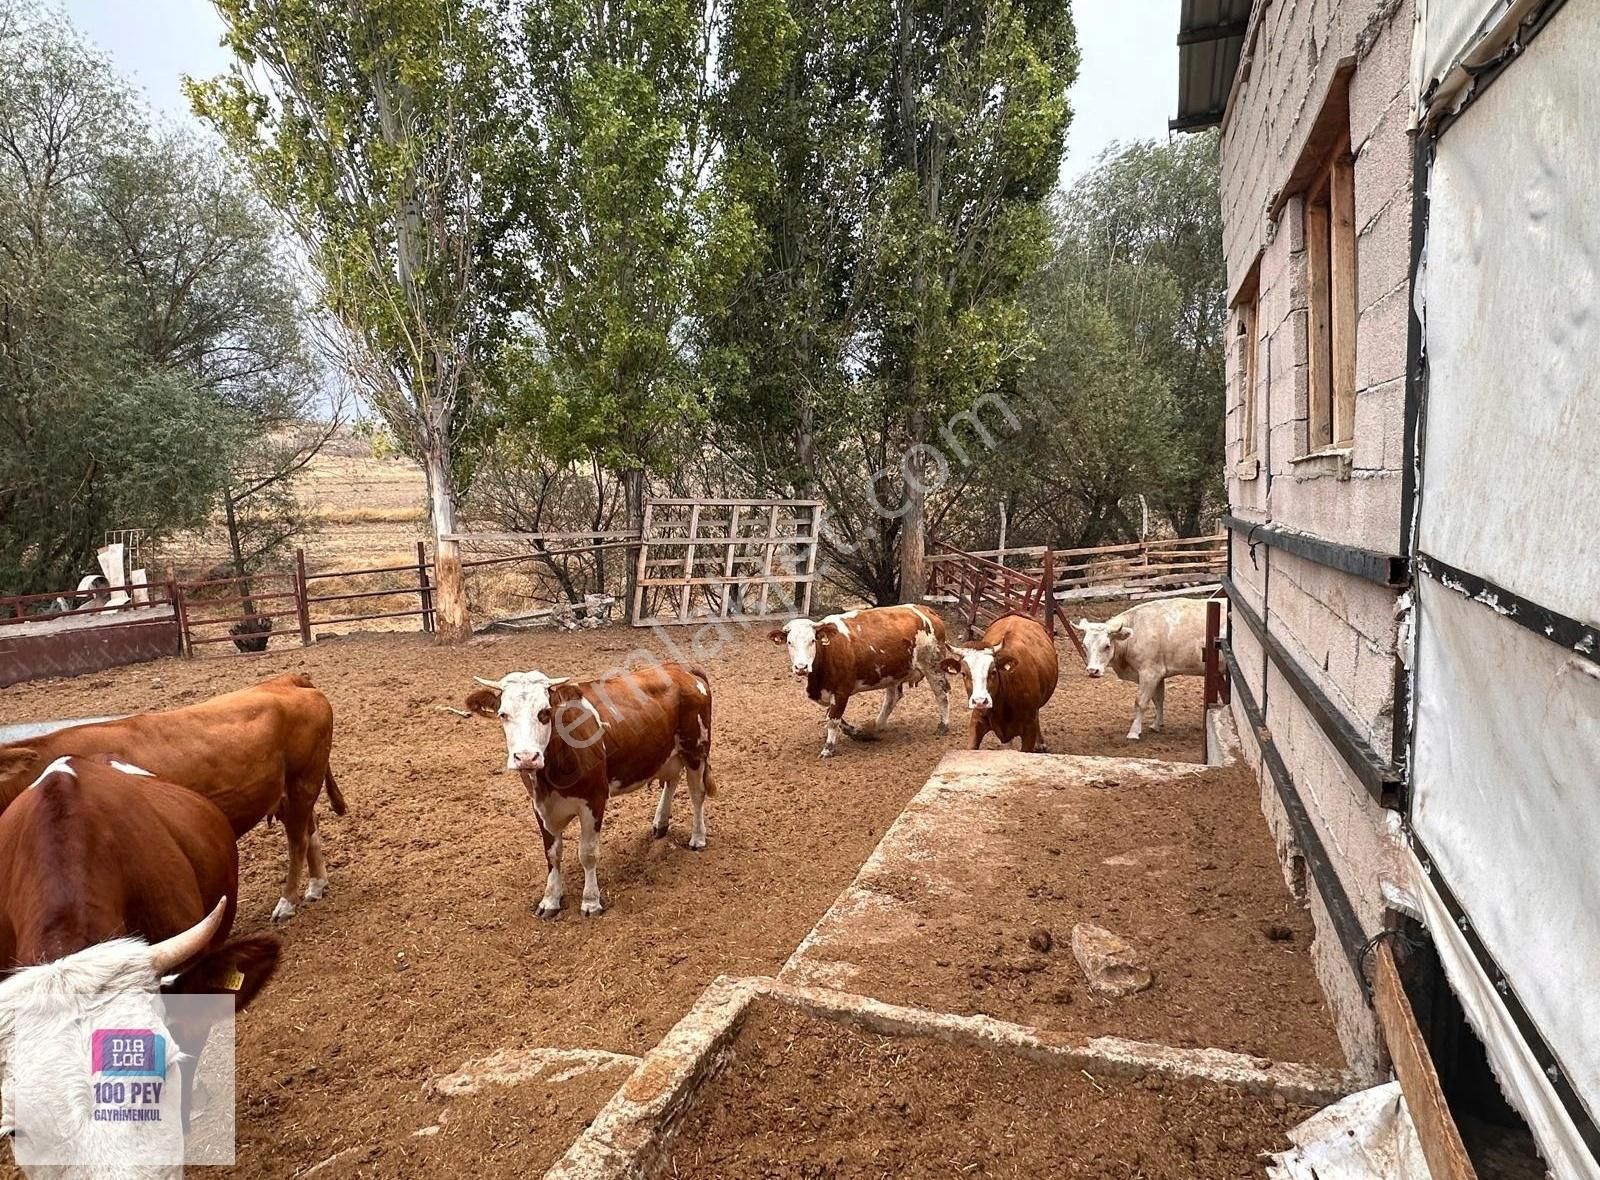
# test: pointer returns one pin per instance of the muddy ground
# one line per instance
(426, 953)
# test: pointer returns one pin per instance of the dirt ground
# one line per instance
(1182, 866)
(804, 1099)
(426, 953)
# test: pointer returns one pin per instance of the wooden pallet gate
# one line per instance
(729, 553)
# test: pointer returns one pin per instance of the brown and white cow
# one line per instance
(92, 855)
(887, 647)
(1147, 644)
(1009, 676)
(256, 752)
(577, 745)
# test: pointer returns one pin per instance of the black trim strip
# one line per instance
(1485, 75)
(1386, 569)
(1381, 777)
(1558, 628)
(1542, 1053)
(1331, 889)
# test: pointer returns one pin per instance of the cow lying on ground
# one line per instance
(1009, 676)
(257, 752)
(1147, 644)
(887, 647)
(90, 853)
(576, 745)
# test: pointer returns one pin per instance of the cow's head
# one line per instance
(982, 669)
(50, 1013)
(803, 637)
(521, 702)
(1100, 642)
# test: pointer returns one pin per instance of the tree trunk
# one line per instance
(633, 496)
(913, 544)
(451, 623)
(247, 605)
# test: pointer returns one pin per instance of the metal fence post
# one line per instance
(423, 590)
(300, 597)
(175, 596)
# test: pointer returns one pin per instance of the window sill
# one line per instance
(1247, 469)
(1329, 461)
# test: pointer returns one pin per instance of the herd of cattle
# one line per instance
(118, 855)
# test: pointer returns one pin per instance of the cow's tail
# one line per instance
(706, 780)
(335, 796)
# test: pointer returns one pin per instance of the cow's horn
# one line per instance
(167, 956)
(494, 684)
(556, 681)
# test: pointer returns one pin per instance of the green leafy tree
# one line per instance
(370, 127)
(622, 227)
(147, 334)
(899, 164)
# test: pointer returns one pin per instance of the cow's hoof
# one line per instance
(848, 729)
(1133, 737)
(593, 909)
(862, 735)
(547, 909)
(283, 911)
(658, 831)
(697, 843)
(944, 728)
(828, 752)
(316, 888)
(1041, 748)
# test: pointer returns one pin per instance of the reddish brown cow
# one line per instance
(1009, 677)
(257, 752)
(887, 647)
(576, 745)
(91, 853)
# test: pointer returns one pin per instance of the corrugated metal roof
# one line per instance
(1210, 40)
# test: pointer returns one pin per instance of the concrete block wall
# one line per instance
(1340, 629)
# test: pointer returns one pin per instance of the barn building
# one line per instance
(1414, 384)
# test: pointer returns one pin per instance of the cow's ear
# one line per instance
(824, 637)
(1082, 625)
(17, 759)
(778, 636)
(242, 966)
(1122, 633)
(485, 702)
(950, 666)
(1006, 663)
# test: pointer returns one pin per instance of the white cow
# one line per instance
(47, 1016)
(1146, 644)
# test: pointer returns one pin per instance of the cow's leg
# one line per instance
(891, 698)
(550, 904)
(697, 776)
(294, 831)
(316, 866)
(1147, 692)
(664, 808)
(835, 725)
(590, 816)
(980, 729)
(1161, 706)
(941, 693)
(1031, 742)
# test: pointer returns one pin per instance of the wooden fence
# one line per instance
(1140, 569)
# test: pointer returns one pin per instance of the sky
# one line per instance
(1127, 86)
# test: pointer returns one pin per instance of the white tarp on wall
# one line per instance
(1506, 798)
(1512, 293)
(1450, 32)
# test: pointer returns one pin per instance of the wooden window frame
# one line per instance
(1330, 240)
(1248, 346)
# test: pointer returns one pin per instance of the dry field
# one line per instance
(426, 954)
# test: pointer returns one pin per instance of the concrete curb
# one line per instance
(629, 1137)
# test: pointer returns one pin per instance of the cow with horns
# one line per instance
(1009, 676)
(578, 744)
(888, 648)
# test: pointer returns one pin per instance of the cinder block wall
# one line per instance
(1340, 629)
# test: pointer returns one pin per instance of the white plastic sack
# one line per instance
(1366, 1136)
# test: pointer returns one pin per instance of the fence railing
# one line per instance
(1134, 570)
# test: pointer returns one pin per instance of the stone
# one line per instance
(1109, 962)
(1040, 940)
